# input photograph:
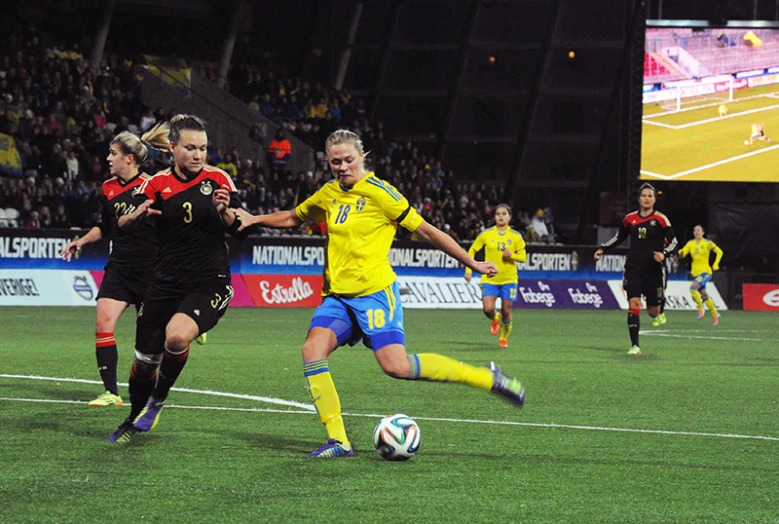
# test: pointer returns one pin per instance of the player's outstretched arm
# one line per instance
(93, 235)
(279, 219)
(141, 212)
(447, 244)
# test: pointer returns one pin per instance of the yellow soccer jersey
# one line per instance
(361, 223)
(494, 243)
(700, 253)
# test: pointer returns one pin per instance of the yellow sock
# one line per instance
(711, 306)
(325, 397)
(430, 366)
(496, 318)
(696, 296)
(505, 330)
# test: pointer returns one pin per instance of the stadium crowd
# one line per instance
(63, 113)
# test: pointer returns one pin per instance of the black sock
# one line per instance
(107, 357)
(170, 369)
(140, 391)
(633, 326)
(662, 305)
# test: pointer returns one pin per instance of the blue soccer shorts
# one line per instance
(504, 291)
(702, 280)
(376, 319)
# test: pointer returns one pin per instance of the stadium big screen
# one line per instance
(711, 102)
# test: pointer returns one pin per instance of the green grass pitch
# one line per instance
(687, 432)
(696, 144)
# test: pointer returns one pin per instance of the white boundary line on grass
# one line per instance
(647, 120)
(666, 333)
(269, 400)
(713, 164)
(309, 409)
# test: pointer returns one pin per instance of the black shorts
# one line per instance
(124, 286)
(648, 281)
(204, 303)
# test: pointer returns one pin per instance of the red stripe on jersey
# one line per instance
(166, 183)
(113, 187)
(147, 187)
(225, 182)
(663, 219)
(635, 218)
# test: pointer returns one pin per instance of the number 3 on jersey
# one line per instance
(188, 208)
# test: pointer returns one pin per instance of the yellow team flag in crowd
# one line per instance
(10, 161)
(172, 71)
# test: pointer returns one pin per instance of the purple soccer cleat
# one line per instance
(507, 386)
(332, 449)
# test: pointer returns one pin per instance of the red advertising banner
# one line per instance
(241, 295)
(285, 290)
(761, 297)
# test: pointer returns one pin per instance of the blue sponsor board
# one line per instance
(40, 249)
(565, 294)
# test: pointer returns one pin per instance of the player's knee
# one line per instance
(176, 343)
(704, 295)
(105, 322)
(653, 311)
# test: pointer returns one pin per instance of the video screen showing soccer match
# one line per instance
(710, 101)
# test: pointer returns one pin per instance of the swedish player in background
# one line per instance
(700, 250)
(504, 247)
(757, 133)
(361, 297)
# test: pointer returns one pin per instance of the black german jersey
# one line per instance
(133, 249)
(647, 234)
(190, 230)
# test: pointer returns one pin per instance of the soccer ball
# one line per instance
(396, 437)
(746, 142)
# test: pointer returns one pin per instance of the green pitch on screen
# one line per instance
(697, 144)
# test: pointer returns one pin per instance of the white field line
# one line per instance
(709, 166)
(659, 124)
(647, 120)
(713, 104)
(674, 335)
(376, 415)
(269, 400)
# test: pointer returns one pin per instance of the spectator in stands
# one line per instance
(147, 120)
(227, 165)
(537, 230)
(72, 166)
(60, 218)
(279, 151)
(33, 222)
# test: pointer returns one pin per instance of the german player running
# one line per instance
(132, 254)
(700, 250)
(652, 239)
(504, 247)
(190, 289)
(361, 296)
